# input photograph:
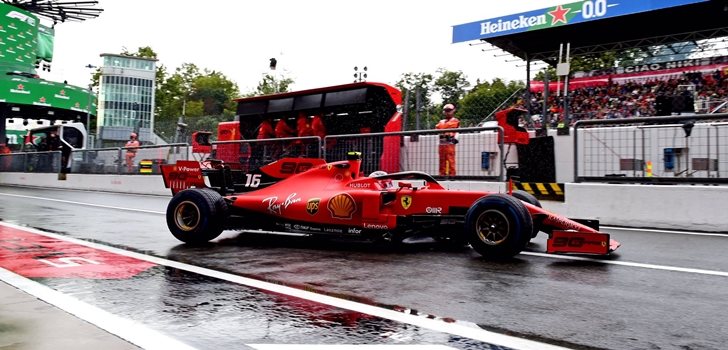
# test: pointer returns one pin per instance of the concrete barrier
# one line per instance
(688, 207)
(676, 207)
(684, 207)
(136, 184)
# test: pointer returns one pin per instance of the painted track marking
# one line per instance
(460, 328)
(83, 203)
(129, 330)
(708, 234)
(631, 264)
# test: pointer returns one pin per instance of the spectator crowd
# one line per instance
(692, 92)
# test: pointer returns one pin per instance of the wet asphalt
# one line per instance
(660, 290)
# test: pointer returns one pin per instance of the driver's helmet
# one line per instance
(386, 183)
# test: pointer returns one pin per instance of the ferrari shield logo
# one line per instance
(312, 205)
(406, 201)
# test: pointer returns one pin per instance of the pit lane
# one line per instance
(661, 290)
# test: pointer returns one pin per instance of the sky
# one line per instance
(316, 42)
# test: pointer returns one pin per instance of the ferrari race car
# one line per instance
(308, 196)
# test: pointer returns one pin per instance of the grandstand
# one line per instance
(689, 33)
(617, 96)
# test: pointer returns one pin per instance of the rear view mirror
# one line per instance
(404, 184)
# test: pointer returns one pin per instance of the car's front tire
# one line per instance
(196, 215)
(498, 226)
(530, 199)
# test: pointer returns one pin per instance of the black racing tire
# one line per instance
(527, 197)
(196, 215)
(498, 226)
(530, 199)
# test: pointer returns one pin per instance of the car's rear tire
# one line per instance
(530, 199)
(196, 215)
(498, 226)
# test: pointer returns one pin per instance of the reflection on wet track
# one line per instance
(181, 303)
(663, 290)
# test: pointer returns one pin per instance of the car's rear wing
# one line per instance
(227, 179)
(182, 175)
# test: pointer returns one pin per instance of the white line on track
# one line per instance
(84, 203)
(460, 328)
(129, 330)
(677, 232)
(630, 264)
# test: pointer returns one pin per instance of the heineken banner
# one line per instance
(15, 137)
(38, 92)
(560, 15)
(18, 38)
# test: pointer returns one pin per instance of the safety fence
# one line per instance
(115, 160)
(676, 149)
(464, 153)
(123, 160)
(32, 162)
(252, 154)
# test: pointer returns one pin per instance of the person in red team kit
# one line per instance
(283, 130)
(303, 125)
(265, 130)
(304, 129)
(448, 141)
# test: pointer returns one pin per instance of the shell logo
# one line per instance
(342, 206)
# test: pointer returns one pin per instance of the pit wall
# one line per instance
(134, 184)
(675, 207)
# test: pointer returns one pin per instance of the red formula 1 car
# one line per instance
(311, 197)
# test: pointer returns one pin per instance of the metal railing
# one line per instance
(252, 154)
(675, 149)
(142, 160)
(31, 162)
(478, 152)
(97, 161)
(146, 159)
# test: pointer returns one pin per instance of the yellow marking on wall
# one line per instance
(556, 188)
(527, 187)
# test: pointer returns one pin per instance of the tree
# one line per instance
(450, 85)
(204, 97)
(271, 85)
(143, 52)
(486, 98)
(413, 84)
(216, 92)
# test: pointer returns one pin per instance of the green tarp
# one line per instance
(18, 38)
(45, 43)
